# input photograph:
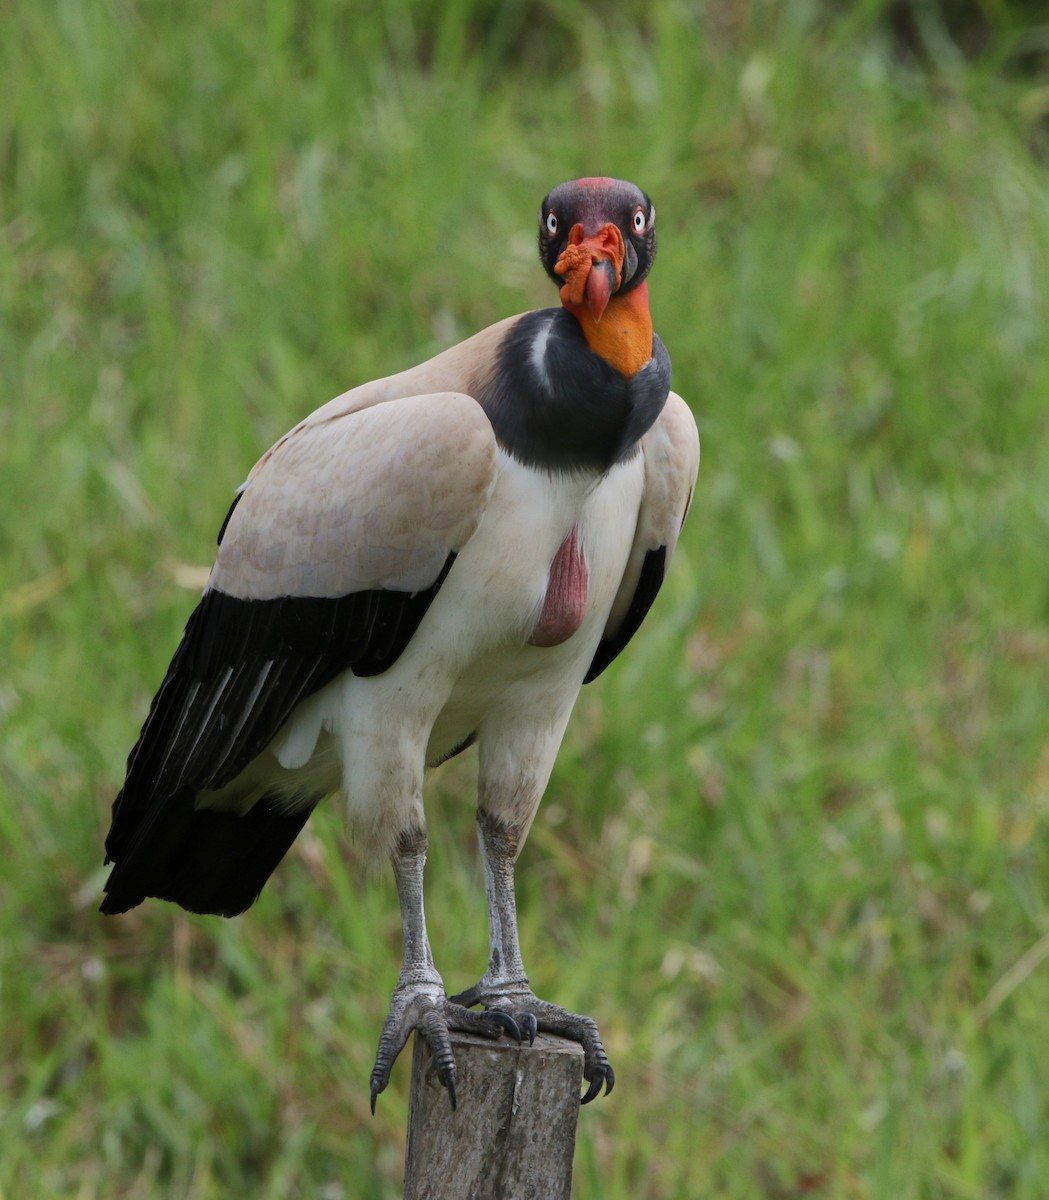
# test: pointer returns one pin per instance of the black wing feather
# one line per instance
(241, 668)
(653, 568)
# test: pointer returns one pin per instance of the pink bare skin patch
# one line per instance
(564, 605)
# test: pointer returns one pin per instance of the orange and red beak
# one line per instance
(592, 267)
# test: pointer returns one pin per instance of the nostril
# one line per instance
(610, 239)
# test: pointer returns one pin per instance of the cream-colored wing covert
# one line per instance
(375, 498)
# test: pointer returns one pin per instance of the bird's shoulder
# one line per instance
(456, 369)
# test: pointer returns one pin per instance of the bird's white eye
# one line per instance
(551, 224)
(639, 220)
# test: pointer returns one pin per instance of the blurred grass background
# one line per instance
(794, 856)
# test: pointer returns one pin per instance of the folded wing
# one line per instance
(671, 452)
(328, 561)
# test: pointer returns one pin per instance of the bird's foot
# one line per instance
(532, 1015)
(423, 1007)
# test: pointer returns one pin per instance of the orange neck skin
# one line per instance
(623, 336)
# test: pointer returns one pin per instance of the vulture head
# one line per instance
(597, 239)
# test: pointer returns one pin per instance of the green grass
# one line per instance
(794, 855)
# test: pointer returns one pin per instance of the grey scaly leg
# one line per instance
(504, 986)
(419, 1001)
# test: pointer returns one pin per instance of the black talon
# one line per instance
(528, 1025)
(605, 1077)
(378, 1085)
(448, 1079)
(506, 1022)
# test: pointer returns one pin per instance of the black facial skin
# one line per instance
(592, 206)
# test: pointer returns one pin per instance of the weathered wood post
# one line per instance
(512, 1136)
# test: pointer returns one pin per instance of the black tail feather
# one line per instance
(205, 860)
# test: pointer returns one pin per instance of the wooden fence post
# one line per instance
(512, 1136)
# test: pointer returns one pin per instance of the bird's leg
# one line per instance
(504, 986)
(419, 1000)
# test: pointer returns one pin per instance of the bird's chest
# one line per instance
(517, 622)
(550, 552)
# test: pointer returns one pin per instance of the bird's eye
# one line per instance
(639, 220)
(551, 224)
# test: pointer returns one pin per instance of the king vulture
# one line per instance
(437, 558)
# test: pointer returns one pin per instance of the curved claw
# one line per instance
(447, 1078)
(492, 1023)
(510, 1024)
(604, 1076)
(375, 1096)
(529, 1025)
